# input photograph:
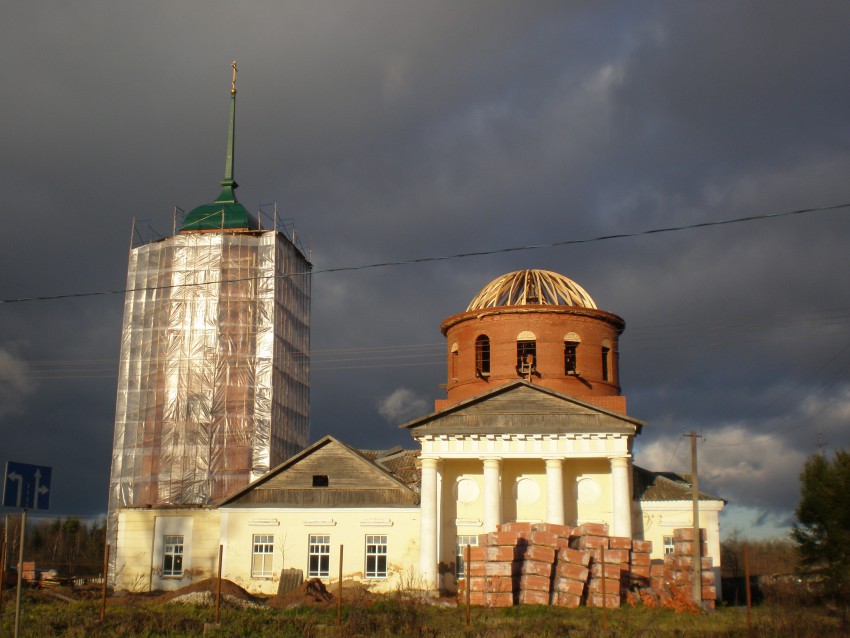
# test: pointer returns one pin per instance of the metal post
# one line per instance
(604, 602)
(339, 591)
(132, 232)
(3, 560)
(105, 579)
(218, 583)
(747, 586)
(466, 575)
(697, 591)
(20, 572)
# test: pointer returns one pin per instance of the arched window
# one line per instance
(606, 360)
(526, 353)
(482, 356)
(454, 357)
(571, 341)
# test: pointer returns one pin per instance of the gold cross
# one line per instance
(233, 81)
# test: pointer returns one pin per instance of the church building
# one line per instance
(533, 429)
(211, 445)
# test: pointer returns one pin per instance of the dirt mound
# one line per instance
(228, 588)
(311, 592)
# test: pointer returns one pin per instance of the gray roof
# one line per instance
(520, 406)
(664, 486)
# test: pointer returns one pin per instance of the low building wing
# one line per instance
(664, 486)
(332, 474)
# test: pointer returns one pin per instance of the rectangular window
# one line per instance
(376, 556)
(482, 356)
(669, 546)
(319, 556)
(570, 349)
(526, 351)
(262, 555)
(320, 480)
(460, 553)
(605, 367)
(454, 365)
(172, 556)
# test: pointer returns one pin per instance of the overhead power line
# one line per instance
(481, 253)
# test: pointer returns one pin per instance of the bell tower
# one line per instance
(538, 326)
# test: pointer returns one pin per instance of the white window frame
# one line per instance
(262, 556)
(172, 553)
(669, 544)
(461, 542)
(376, 556)
(319, 548)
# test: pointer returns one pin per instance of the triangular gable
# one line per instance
(523, 407)
(664, 486)
(327, 474)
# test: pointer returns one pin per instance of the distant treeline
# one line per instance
(70, 546)
(766, 557)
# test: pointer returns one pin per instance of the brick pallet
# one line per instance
(546, 564)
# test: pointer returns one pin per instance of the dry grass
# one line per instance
(409, 616)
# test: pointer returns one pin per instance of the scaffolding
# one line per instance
(213, 385)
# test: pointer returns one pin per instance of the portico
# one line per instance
(519, 452)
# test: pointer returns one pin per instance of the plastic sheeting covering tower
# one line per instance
(213, 385)
(213, 389)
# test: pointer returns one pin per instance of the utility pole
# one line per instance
(697, 591)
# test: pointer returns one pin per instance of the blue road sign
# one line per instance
(27, 486)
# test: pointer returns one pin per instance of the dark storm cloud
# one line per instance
(391, 130)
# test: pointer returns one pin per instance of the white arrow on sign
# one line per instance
(20, 479)
(39, 489)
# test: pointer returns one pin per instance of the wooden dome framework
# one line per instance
(531, 287)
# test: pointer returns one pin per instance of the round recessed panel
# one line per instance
(527, 491)
(467, 491)
(588, 491)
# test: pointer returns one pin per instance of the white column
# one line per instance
(428, 540)
(492, 493)
(555, 491)
(622, 497)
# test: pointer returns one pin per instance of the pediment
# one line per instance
(523, 408)
(328, 474)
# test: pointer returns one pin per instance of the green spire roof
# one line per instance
(225, 213)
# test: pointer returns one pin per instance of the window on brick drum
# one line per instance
(526, 352)
(460, 553)
(454, 359)
(669, 545)
(172, 556)
(606, 361)
(320, 480)
(570, 351)
(262, 555)
(319, 557)
(376, 556)
(482, 356)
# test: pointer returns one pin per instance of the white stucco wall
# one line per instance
(653, 520)
(141, 533)
(291, 529)
(138, 561)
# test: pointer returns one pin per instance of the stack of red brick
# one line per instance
(609, 564)
(543, 564)
(493, 568)
(674, 579)
(28, 572)
(571, 573)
